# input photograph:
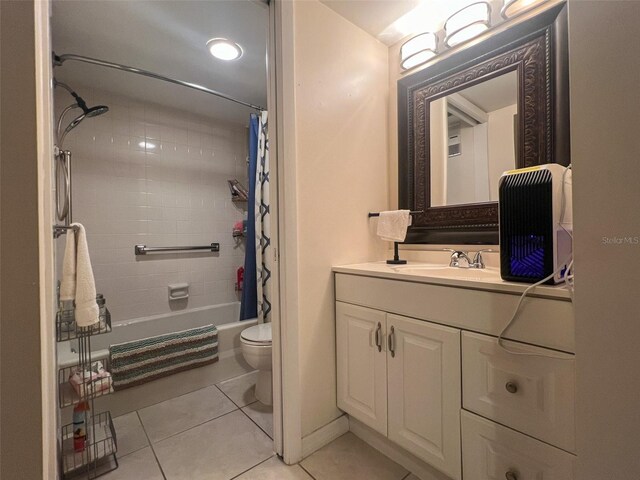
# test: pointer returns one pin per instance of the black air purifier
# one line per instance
(535, 238)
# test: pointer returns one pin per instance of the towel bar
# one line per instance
(396, 255)
(412, 212)
(62, 229)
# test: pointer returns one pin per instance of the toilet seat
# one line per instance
(259, 335)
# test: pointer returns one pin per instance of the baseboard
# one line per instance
(416, 466)
(324, 435)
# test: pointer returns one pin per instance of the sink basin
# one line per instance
(442, 271)
(421, 266)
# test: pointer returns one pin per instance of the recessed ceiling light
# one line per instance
(224, 49)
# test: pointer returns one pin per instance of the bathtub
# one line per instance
(230, 361)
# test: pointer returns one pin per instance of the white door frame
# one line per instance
(286, 381)
(286, 372)
(44, 129)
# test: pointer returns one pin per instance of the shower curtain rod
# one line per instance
(58, 60)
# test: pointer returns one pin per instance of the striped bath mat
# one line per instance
(140, 361)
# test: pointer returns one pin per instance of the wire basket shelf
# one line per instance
(72, 395)
(67, 329)
(99, 455)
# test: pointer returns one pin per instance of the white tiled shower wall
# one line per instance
(146, 174)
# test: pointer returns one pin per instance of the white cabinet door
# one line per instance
(532, 394)
(423, 369)
(494, 452)
(362, 364)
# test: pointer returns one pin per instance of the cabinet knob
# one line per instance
(512, 387)
(511, 475)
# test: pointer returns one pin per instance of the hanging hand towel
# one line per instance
(87, 313)
(392, 226)
(68, 282)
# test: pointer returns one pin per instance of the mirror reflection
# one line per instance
(473, 140)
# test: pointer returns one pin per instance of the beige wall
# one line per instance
(501, 145)
(605, 114)
(395, 74)
(461, 169)
(439, 144)
(341, 98)
(20, 397)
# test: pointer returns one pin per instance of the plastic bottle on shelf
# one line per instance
(80, 412)
(239, 279)
(67, 316)
(102, 315)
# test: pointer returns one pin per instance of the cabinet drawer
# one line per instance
(493, 452)
(532, 394)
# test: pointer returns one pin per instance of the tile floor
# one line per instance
(222, 433)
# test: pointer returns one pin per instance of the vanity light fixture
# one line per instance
(418, 50)
(224, 49)
(511, 8)
(467, 23)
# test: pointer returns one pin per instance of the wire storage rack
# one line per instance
(92, 452)
(99, 455)
(96, 384)
(66, 328)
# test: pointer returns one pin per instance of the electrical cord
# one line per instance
(568, 273)
(567, 277)
(514, 317)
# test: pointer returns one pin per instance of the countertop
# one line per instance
(487, 279)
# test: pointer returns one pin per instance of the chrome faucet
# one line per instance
(460, 259)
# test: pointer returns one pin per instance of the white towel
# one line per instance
(392, 225)
(68, 282)
(87, 313)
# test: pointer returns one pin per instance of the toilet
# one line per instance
(256, 349)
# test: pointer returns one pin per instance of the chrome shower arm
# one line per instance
(56, 83)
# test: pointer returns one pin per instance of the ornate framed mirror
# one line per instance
(497, 105)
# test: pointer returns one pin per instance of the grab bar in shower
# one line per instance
(143, 249)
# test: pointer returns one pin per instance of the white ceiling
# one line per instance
(392, 20)
(373, 16)
(169, 38)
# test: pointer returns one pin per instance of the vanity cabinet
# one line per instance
(401, 377)
(419, 363)
(362, 364)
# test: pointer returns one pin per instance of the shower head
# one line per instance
(89, 112)
(80, 103)
(97, 110)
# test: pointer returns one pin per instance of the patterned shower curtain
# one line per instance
(263, 222)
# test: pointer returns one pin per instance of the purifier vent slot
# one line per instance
(526, 226)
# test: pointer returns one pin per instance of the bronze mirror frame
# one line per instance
(537, 49)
